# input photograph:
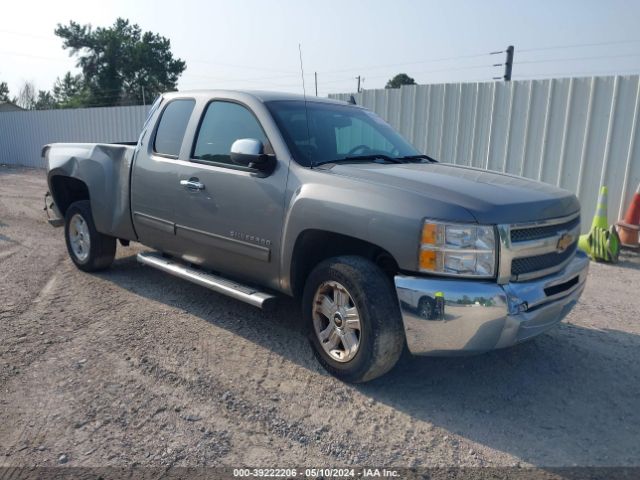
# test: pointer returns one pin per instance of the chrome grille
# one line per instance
(533, 250)
(536, 233)
(520, 266)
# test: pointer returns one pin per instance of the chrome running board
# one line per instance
(216, 283)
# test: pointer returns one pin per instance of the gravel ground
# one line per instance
(135, 367)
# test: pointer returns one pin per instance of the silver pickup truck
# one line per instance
(255, 195)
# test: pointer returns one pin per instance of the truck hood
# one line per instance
(491, 198)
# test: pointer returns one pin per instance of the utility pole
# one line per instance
(143, 100)
(358, 78)
(316, 75)
(508, 63)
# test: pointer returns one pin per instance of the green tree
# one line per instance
(399, 80)
(70, 91)
(45, 101)
(4, 92)
(121, 64)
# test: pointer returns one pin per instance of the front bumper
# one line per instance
(457, 317)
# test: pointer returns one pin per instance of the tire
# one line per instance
(426, 308)
(380, 333)
(89, 249)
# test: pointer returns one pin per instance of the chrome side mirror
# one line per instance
(249, 152)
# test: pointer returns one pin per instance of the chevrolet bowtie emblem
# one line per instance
(564, 242)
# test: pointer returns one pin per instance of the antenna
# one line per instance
(304, 93)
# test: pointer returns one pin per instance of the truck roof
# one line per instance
(262, 96)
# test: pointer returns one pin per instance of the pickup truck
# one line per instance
(257, 195)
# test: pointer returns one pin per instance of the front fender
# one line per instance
(366, 216)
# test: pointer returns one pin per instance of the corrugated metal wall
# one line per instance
(22, 134)
(576, 133)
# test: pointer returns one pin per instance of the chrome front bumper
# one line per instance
(458, 317)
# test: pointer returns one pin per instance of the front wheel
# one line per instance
(354, 320)
(89, 249)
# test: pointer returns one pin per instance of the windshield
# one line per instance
(335, 132)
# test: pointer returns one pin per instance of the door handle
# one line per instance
(192, 184)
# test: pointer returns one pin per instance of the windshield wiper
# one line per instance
(360, 158)
(418, 157)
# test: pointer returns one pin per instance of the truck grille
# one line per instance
(536, 233)
(533, 250)
(520, 266)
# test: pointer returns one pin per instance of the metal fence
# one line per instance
(22, 134)
(576, 133)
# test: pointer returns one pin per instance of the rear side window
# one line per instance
(173, 124)
(223, 124)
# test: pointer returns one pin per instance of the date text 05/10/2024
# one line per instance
(316, 472)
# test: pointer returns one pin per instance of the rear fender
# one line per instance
(105, 171)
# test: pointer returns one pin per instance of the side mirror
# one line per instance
(249, 152)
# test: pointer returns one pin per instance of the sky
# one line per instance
(252, 44)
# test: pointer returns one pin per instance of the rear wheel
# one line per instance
(354, 320)
(89, 249)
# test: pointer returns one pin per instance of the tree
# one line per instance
(26, 96)
(399, 80)
(4, 92)
(45, 101)
(70, 91)
(121, 62)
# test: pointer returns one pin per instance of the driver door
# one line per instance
(231, 221)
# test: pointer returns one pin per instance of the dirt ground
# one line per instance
(135, 367)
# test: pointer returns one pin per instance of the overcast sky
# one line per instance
(253, 44)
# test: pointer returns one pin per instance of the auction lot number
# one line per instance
(293, 472)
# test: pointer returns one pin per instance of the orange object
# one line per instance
(430, 233)
(629, 227)
(428, 260)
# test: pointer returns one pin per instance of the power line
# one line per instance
(330, 73)
(481, 66)
(195, 85)
(247, 67)
(588, 73)
(207, 62)
(348, 80)
(41, 57)
(578, 45)
(293, 73)
(451, 69)
(32, 35)
(57, 59)
(243, 79)
(572, 59)
(432, 60)
(442, 59)
(237, 77)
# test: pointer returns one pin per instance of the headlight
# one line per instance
(455, 249)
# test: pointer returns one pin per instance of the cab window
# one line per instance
(172, 126)
(223, 124)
